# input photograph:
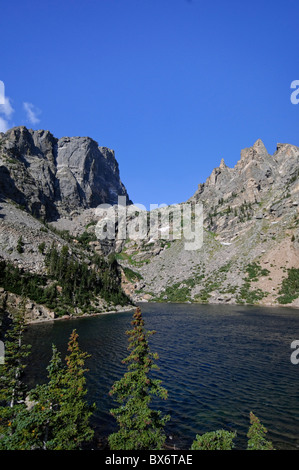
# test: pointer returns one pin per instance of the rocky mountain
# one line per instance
(50, 190)
(52, 177)
(42, 180)
(250, 251)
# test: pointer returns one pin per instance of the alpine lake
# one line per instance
(218, 363)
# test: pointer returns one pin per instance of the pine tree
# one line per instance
(56, 416)
(34, 425)
(12, 388)
(72, 427)
(140, 427)
(257, 435)
(12, 391)
(45, 406)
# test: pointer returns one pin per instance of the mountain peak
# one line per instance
(257, 152)
(222, 164)
(259, 146)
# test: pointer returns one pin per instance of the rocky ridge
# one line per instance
(250, 239)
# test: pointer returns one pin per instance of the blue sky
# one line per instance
(172, 86)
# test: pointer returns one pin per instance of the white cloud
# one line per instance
(6, 112)
(6, 108)
(32, 113)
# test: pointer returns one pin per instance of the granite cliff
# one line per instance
(52, 177)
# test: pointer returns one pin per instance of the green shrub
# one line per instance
(131, 275)
(254, 270)
(214, 440)
(41, 247)
(290, 287)
(20, 245)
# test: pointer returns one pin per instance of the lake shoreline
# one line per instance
(78, 317)
(145, 302)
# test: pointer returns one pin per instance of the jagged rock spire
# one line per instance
(257, 152)
(222, 164)
(260, 147)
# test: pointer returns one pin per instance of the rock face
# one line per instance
(53, 177)
(250, 240)
(47, 187)
(33, 312)
(255, 187)
(254, 174)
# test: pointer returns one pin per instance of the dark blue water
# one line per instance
(218, 363)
